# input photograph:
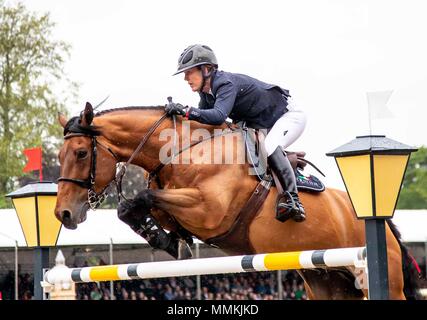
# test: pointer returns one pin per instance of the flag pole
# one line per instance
(369, 116)
(41, 164)
(377, 106)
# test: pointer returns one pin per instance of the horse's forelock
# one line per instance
(74, 126)
(69, 124)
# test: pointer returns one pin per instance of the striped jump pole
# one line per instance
(231, 264)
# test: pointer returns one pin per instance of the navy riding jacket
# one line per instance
(241, 98)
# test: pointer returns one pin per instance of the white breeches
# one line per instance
(287, 128)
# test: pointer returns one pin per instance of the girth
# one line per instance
(237, 238)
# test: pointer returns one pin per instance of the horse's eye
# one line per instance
(81, 154)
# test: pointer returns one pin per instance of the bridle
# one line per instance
(95, 199)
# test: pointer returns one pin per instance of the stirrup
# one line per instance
(299, 211)
(284, 210)
(289, 208)
(298, 216)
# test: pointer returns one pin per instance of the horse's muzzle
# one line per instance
(65, 217)
(68, 220)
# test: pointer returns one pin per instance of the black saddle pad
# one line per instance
(308, 183)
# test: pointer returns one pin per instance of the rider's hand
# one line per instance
(175, 108)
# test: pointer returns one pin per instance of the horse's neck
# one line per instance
(124, 130)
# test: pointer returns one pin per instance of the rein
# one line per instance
(95, 199)
(122, 171)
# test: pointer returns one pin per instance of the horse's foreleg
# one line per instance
(137, 214)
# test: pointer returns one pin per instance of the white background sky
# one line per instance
(327, 53)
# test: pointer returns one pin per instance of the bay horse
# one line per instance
(205, 199)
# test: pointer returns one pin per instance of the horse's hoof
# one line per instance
(184, 250)
(179, 249)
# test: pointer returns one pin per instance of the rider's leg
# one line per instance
(136, 213)
(284, 132)
(287, 129)
(288, 204)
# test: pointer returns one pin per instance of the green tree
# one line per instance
(414, 191)
(31, 78)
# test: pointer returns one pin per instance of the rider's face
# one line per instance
(194, 78)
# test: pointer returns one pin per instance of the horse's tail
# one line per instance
(411, 271)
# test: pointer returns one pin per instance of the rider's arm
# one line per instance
(224, 103)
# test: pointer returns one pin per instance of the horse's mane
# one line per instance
(101, 113)
(132, 108)
(74, 124)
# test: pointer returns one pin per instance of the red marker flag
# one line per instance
(34, 156)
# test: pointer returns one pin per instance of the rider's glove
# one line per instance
(175, 108)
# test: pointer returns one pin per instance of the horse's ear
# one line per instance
(62, 120)
(87, 116)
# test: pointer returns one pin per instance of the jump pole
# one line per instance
(343, 257)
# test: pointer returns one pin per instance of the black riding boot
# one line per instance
(146, 226)
(288, 204)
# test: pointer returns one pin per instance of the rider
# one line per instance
(242, 98)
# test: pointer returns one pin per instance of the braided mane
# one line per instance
(101, 113)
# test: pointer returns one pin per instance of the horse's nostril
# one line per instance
(66, 215)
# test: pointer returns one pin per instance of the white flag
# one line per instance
(377, 104)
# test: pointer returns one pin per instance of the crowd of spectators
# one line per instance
(25, 286)
(244, 286)
(248, 286)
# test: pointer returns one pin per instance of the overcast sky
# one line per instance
(329, 54)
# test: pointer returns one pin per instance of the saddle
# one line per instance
(254, 141)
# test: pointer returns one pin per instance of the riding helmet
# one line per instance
(195, 55)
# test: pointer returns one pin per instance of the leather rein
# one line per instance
(95, 199)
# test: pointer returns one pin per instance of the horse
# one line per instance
(205, 198)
